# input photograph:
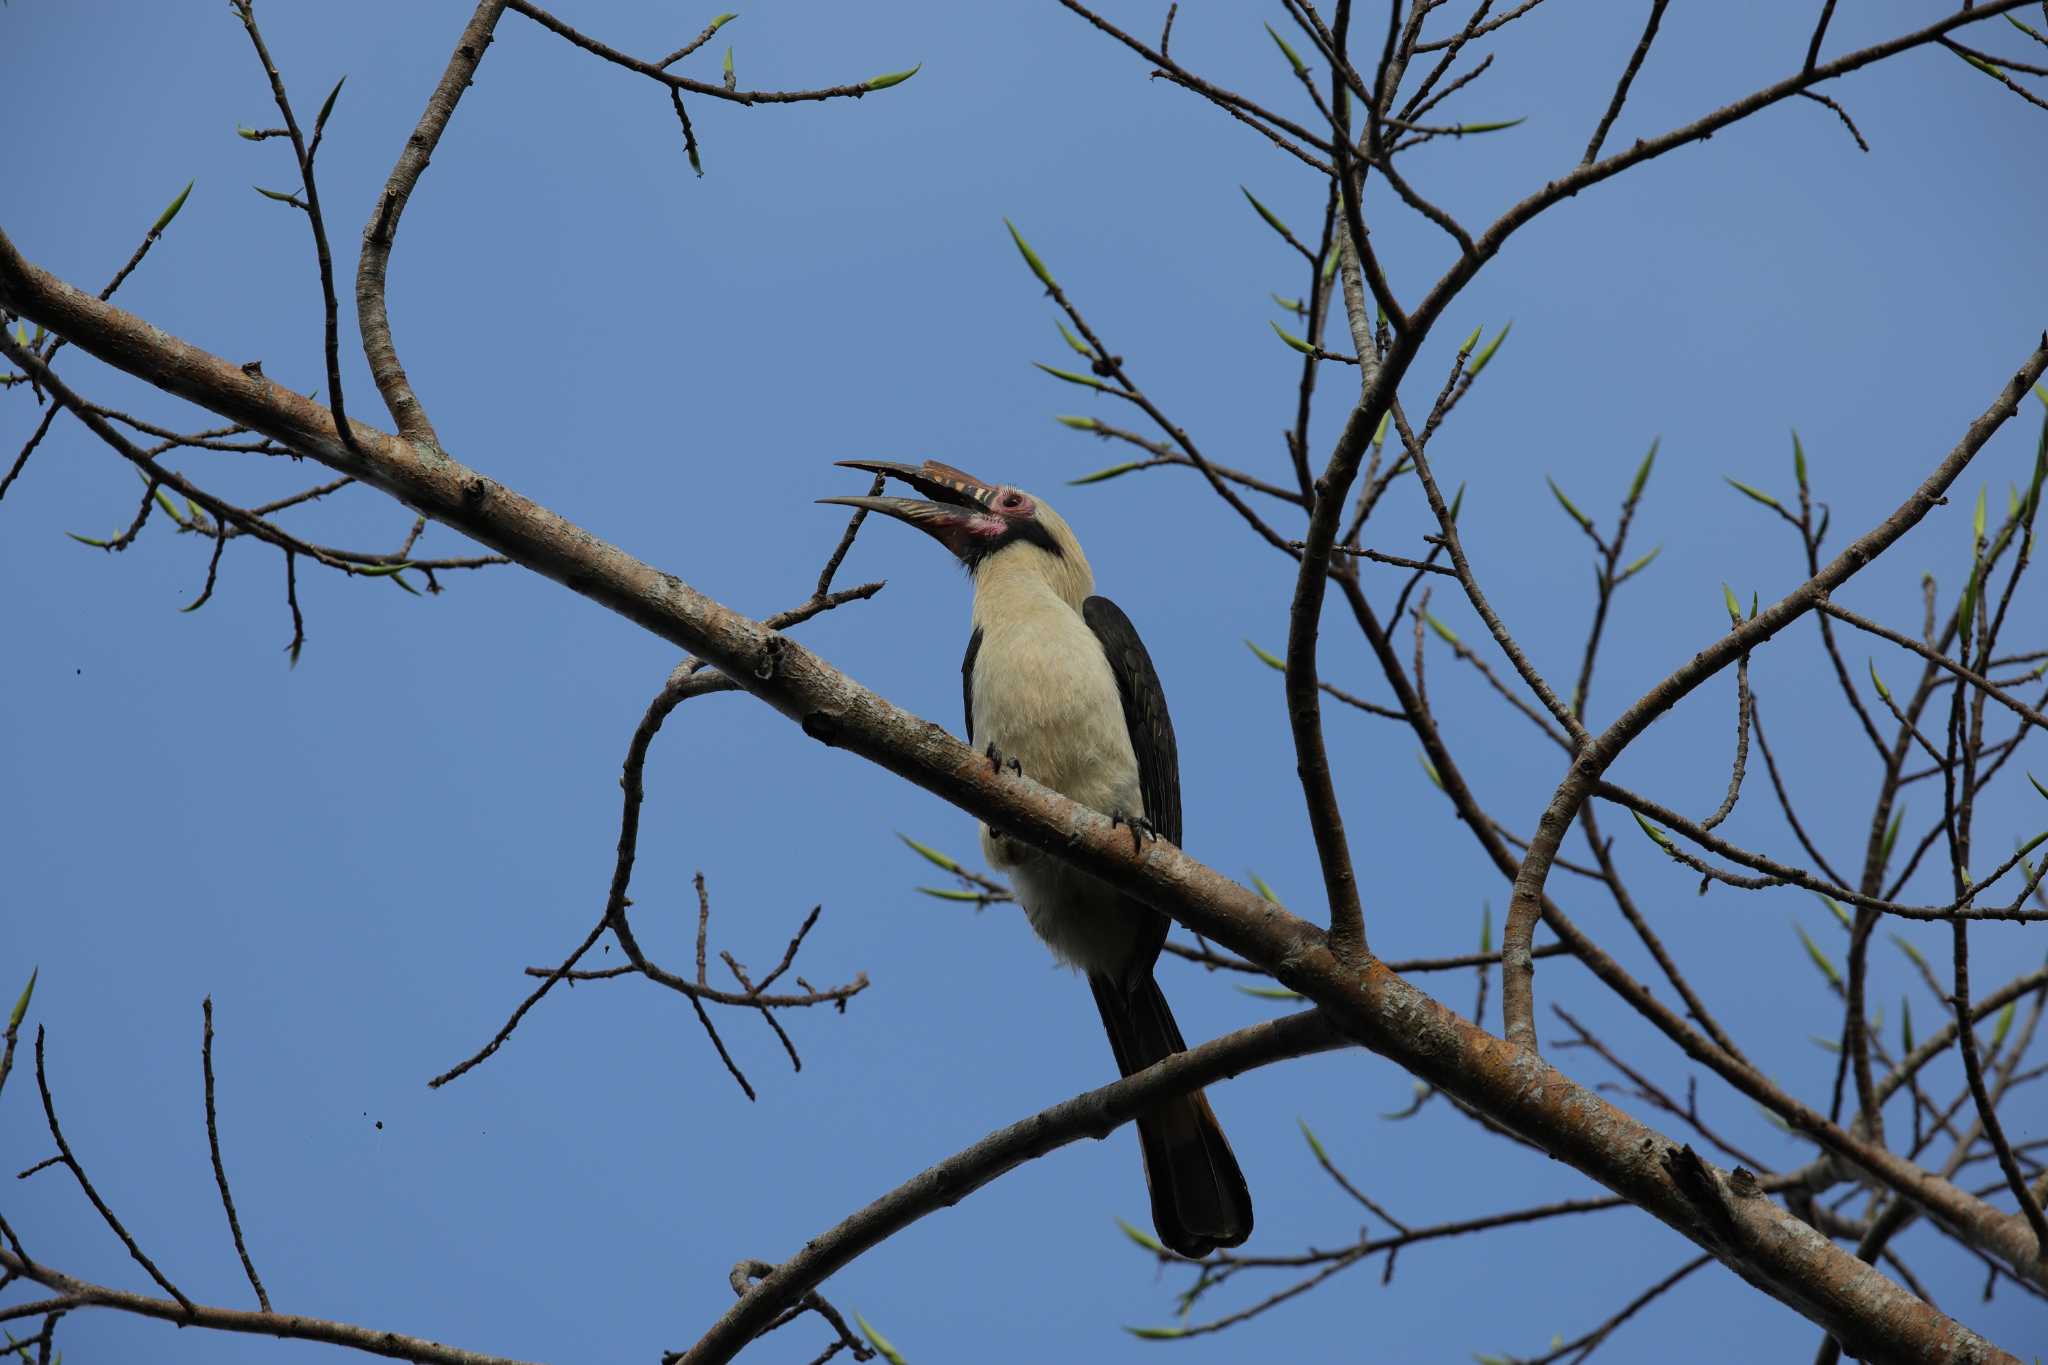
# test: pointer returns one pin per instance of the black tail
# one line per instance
(1199, 1199)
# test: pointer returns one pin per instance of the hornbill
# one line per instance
(1058, 685)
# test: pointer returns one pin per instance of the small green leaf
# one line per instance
(930, 855)
(1480, 361)
(327, 106)
(1265, 891)
(726, 70)
(247, 134)
(1828, 1045)
(1078, 423)
(1313, 1144)
(1472, 340)
(1489, 127)
(1639, 565)
(1841, 915)
(1083, 380)
(1912, 953)
(1270, 992)
(1271, 661)
(164, 219)
(1820, 959)
(1291, 305)
(88, 540)
(1429, 770)
(1379, 436)
(1775, 1119)
(2037, 785)
(1330, 273)
(1443, 631)
(1105, 475)
(1657, 836)
(1966, 610)
(1300, 68)
(1891, 838)
(1291, 339)
(1978, 62)
(21, 1005)
(1734, 607)
(1073, 342)
(163, 500)
(1142, 1238)
(1272, 219)
(2004, 1026)
(1757, 493)
(1157, 1333)
(1878, 683)
(1906, 1026)
(1421, 1093)
(1486, 930)
(2031, 33)
(378, 570)
(946, 894)
(881, 1343)
(894, 78)
(1581, 518)
(1457, 502)
(279, 195)
(1977, 521)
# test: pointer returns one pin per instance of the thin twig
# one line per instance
(220, 1172)
(70, 1162)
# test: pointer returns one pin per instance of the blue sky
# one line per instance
(357, 857)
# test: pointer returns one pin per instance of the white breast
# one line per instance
(1044, 695)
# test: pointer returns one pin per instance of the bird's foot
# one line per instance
(996, 761)
(1141, 828)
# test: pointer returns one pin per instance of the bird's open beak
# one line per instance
(954, 510)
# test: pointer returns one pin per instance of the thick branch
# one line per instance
(371, 266)
(1094, 1114)
(79, 1293)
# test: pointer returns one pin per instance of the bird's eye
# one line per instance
(1012, 501)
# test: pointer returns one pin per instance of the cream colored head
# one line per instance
(1037, 543)
(1000, 533)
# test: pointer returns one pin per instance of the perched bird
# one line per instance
(1058, 685)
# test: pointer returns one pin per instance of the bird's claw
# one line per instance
(1141, 828)
(996, 761)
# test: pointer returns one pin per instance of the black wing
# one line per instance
(967, 680)
(1151, 729)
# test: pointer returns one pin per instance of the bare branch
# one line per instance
(373, 265)
(79, 1293)
(1635, 64)
(220, 1172)
(1093, 1114)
